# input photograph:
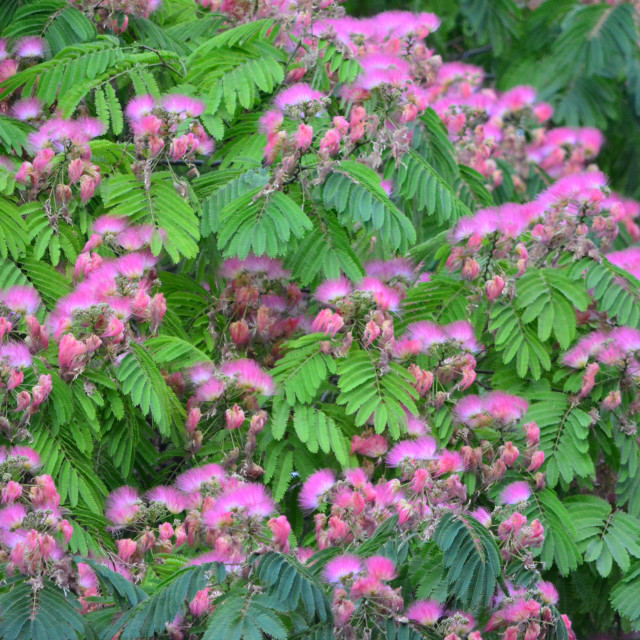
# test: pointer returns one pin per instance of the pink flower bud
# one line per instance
(165, 531)
(494, 287)
(42, 159)
(304, 137)
(509, 454)
(280, 528)
(76, 168)
(66, 528)
(613, 399)
(193, 418)
(330, 143)
(200, 604)
(23, 401)
(470, 269)
(239, 332)
(15, 378)
(537, 459)
(234, 417)
(532, 433)
(63, 194)
(87, 188)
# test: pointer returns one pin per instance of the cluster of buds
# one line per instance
(576, 214)
(262, 304)
(618, 351)
(516, 535)
(169, 128)
(114, 15)
(241, 380)
(222, 515)
(21, 338)
(61, 164)
(527, 614)
(33, 533)
(96, 317)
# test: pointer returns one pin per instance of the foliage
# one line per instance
(311, 329)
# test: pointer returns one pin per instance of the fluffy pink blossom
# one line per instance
(171, 498)
(425, 612)
(342, 568)
(515, 492)
(122, 506)
(250, 376)
(296, 94)
(332, 290)
(193, 479)
(381, 568)
(314, 488)
(423, 448)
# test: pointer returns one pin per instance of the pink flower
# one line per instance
(296, 94)
(548, 592)
(179, 104)
(30, 458)
(12, 516)
(425, 612)
(171, 498)
(494, 287)
(381, 568)
(11, 492)
(122, 506)
(330, 143)
(327, 322)
(22, 299)
(332, 290)
(16, 355)
(371, 446)
(26, 109)
(250, 498)
(515, 492)
(341, 568)
(412, 450)
(315, 487)
(193, 479)
(249, 376)
(30, 47)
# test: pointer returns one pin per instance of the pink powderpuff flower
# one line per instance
(296, 94)
(425, 612)
(386, 297)
(210, 390)
(423, 448)
(387, 270)
(331, 291)
(12, 516)
(179, 104)
(193, 479)
(139, 107)
(30, 47)
(381, 568)
(461, 332)
(342, 568)
(449, 461)
(26, 109)
(515, 493)
(469, 410)
(250, 498)
(427, 333)
(16, 355)
(11, 492)
(482, 516)
(250, 376)
(30, 458)
(281, 529)
(270, 122)
(504, 407)
(122, 506)
(371, 446)
(21, 299)
(171, 498)
(200, 373)
(315, 487)
(548, 592)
